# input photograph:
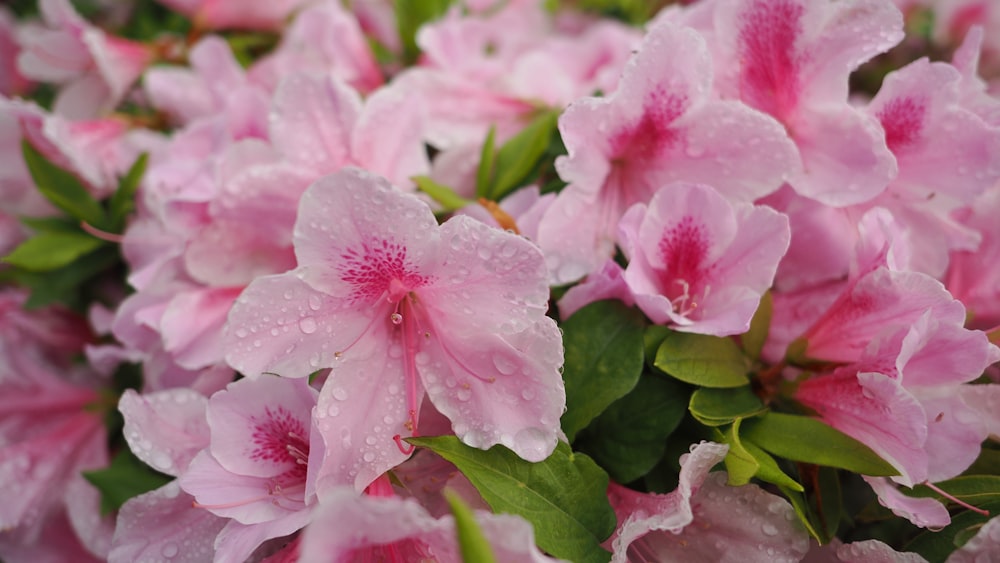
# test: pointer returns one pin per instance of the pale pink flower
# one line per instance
(323, 39)
(255, 467)
(12, 82)
(973, 276)
(704, 519)
(698, 262)
(606, 283)
(791, 59)
(351, 527)
(95, 69)
(867, 551)
(661, 125)
(400, 307)
(981, 547)
(239, 14)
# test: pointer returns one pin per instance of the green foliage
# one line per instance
(474, 547)
(808, 440)
(125, 478)
(603, 343)
(972, 489)
(564, 497)
(753, 340)
(936, 546)
(517, 159)
(63, 189)
(51, 250)
(699, 359)
(410, 15)
(630, 436)
(718, 407)
(440, 193)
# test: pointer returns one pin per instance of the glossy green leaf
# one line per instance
(63, 189)
(936, 546)
(517, 158)
(630, 436)
(808, 440)
(699, 359)
(487, 157)
(48, 251)
(440, 193)
(63, 285)
(603, 343)
(828, 500)
(753, 340)
(740, 463)
(125, 478)
(123, 201)
(564, 497)
(768, 469)
(471, 542)
(653, 336)
(45, 224)
(718, 407)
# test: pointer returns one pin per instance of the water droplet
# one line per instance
(769, 529)
(370, 440)
(527, 393)
(307, 325)
(334, 410)
(241, 332)
(288, 295)
(396, 318)
(169, 550)
(339, 393)
(314, 302)
(464, 394)
(504, 365)
(484, 252)
(369, 457)
(508, 250)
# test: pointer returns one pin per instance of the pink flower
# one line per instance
(12, 83)
(400, 307)
(698, 262)
(704, 519)
(95, 68)
(791, 59)
(349, 527)
(661, 125)
(225, 14)
(255, 467)
(973, 276)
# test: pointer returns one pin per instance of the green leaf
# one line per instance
(740, 463)
(699, 359)
(43, 224)
(768, 469)
(829, 501)
(564, 497)
(410, 15)
(603, 343)
(808, 440)
(51, 250)
(630, 436)
(651, 340)
(753, 340)
(62, 188)
(474, 547)
(63, 285)
(718, 407)
(517, 157)
(973, 489)
(440, 193)
(935, 547)
(125, 478)
(487, 157)
(123, 201)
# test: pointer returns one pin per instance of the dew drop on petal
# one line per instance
(769, 529)
(503, 364)
(314, 302)
(396, 318)
(307, 325)
(169, 550)
(340, 394)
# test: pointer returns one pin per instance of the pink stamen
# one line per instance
(407, 449)
(955, 500)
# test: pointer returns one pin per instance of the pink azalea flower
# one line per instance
(400, 307)
(606, 283)
(981, 547)
(12, 82)
(868, 551)
(49, 433)
(255, 468)
(226, 14)
(791, 59)
(698, 262)
(901, 397)
(482, 69)
(349, 527)
(323, 39)
(704, 519)
(973, 276)
(661, 125)
(95, 68)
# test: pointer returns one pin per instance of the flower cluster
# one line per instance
(499, 280)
